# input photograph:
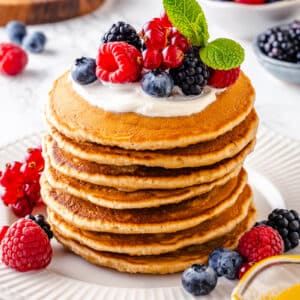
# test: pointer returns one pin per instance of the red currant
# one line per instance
(13, 59)
(12, 175)
(172, 57)
(3, 231)
(22, 207)
(244, 268)
(12, 194)
(181, 42)
(155, 39)
(35, 155)
(152, 24)
(152, 59)
(174, 32)
(165, 20)
(32, 192)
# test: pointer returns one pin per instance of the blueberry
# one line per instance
(84, 70)
(16, 31)
(225, 262)
(35, 42)
(157, 84)
(199, 280)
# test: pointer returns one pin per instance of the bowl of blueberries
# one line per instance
(278, 51)
(247, 18)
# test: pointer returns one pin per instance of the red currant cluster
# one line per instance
(165, 44)
(20, 181)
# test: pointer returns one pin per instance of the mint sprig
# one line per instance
(222, 54)
(188, 17)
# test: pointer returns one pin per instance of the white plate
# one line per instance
(274, 172)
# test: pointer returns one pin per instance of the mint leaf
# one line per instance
(223, 54)
(188, 17)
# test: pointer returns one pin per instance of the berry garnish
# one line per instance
(222, 79)
(16, 31)
(157, 83)
(199, 280)
(192, 75)
(20, 182)
(26, 246)
(287, 223)
(244, 268)
(84, 70)
(260, 242)
(35, 42)
(225, 262)
(3, 231)
(119, 62)
(152, 59)
(123, 32)
(13, 59)
(155, 39)
(172, 57)
(41, 221)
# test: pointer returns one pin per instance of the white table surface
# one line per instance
(22, 98)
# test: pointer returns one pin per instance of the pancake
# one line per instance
(139, 177)
(154, 244)
(117, 199)
(202, 154)
(74, 117)
(171, 262)
(163, 219)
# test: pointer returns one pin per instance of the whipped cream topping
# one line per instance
(122, 98)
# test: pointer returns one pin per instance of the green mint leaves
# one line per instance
(222, 54)
(188, 17)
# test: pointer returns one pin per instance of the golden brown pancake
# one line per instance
(202, 154)
(154, 244)
(139, 177)
(117, 199)
(74, 117)
(167, 218)
(159, 264)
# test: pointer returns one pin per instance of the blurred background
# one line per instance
(22, 98)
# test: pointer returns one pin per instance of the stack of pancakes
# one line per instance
(144, 194)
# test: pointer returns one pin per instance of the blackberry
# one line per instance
(192, 75)
(123, 32)
(40, 220)
(287, 223)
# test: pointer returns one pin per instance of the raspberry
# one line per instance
(26, 247)
(123, 32)
(3, 231)
(40, 220)
(119, 62)
(259, 243)
(221, 78)
(13, 59)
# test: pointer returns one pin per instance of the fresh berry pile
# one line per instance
(267, 238)
(25, 245)
(20, 183)
(282, 42)
(169, 55)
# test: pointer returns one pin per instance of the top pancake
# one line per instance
(71, 115)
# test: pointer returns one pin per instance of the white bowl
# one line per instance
(246, 21)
